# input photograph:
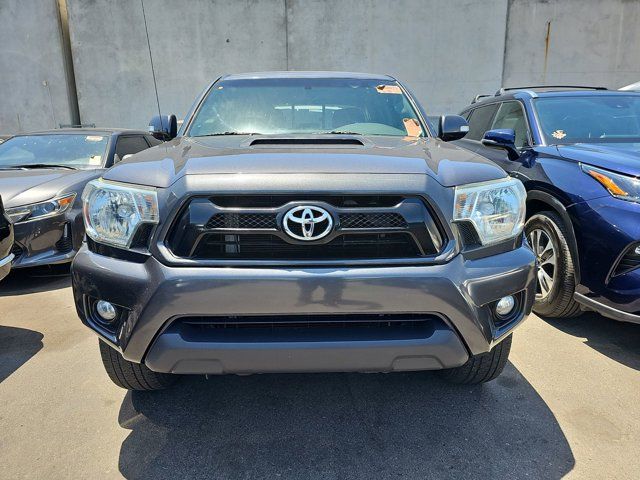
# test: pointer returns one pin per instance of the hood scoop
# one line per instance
(344, 142)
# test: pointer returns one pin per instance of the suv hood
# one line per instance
(22, 187)
(623, 157)
(161, 166)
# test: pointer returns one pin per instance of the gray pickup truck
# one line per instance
(304, 222)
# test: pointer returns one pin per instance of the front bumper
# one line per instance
(48, 241)
(605, 228)
(456, 297)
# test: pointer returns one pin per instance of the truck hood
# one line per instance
(22, 187)
(623, 157)
(161, 166)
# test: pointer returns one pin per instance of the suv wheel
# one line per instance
(130, 375)
(555, 283)
(481, 368)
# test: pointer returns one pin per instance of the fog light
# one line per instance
(106, 310)
(637, 250)
(505, 305)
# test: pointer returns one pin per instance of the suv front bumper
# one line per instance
(457, 297)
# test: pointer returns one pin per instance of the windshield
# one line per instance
(306, 105)
(589, 119)
(66, 150)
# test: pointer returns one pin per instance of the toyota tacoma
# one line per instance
(304, 222)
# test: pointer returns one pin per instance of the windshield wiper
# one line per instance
(227, 133)
(43, 165)
(341, 132)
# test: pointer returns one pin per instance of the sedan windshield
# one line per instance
(56, 150)
(589, 118)
(306, 105)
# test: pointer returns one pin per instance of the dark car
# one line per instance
(304, 222)
(577, 151)
(42, 175)
(6, 242)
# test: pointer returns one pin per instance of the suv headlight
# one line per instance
(618, 185)
(496, 208)
(37, 211)
(114, 212)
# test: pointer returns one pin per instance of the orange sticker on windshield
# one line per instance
(559, 134)
(389, 89)
(412, 127)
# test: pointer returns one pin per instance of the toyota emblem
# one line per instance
(307, 223)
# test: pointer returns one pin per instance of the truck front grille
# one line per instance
(234, 228)
(271, 247)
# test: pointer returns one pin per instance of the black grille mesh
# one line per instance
(372, 220)
(242, 220)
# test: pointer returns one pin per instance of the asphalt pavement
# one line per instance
(568, 404)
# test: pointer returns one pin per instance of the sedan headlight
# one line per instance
(37, 211)
(496, 208)
(114, 212)
(618, 185)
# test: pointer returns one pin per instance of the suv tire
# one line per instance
(481, 368)
(558, 301)
(130, 375)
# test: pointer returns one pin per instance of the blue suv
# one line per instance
(577, 151)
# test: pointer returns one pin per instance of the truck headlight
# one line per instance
(37, 211)
(113, 212)
(496, 208)
(618, 185)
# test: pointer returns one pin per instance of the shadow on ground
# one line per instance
(17, 346)
(356, 426)
(619, 341)
(23, 281)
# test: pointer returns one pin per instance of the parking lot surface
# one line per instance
(568, 404)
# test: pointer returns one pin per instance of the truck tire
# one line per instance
(555, 300)
(481, 368)
(130, 375)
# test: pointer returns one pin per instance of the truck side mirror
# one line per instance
(452, 127)
(502, 138)
(163, 127)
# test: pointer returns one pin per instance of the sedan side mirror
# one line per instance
(452, 127)
(163, 127)
(502, 138)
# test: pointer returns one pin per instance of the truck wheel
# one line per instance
(130, 375)
(481, 368)
(555, 283)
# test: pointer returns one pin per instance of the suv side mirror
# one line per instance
(452, 127)
(502, 138)
(163, 127)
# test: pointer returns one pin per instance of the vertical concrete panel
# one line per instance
(445, 51)
(590, 42)
(33, 88)
(191, 43)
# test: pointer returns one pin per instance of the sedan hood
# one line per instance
(22, 187)
(621, 157)
(161, 166)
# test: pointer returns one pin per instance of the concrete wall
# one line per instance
(447, 51)
(33, 82)
(191, 44)
(590, 42)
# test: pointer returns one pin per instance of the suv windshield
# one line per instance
(64, 150)
(589, 118)
(306, 105)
